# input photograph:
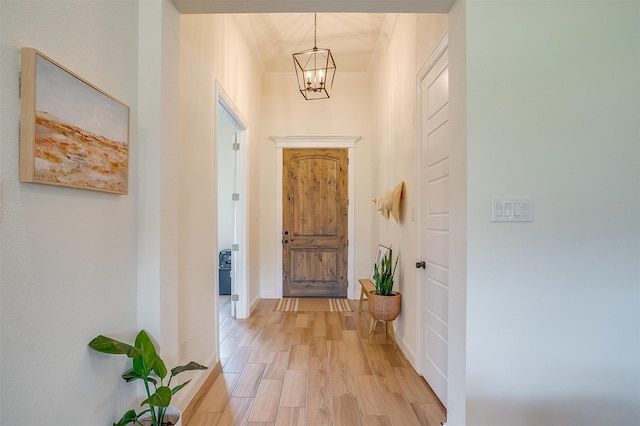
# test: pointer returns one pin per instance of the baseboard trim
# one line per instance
(254, 304)
(192, 407)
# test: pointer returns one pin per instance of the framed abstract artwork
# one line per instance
(71, 133)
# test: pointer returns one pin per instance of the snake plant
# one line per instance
(383, 275)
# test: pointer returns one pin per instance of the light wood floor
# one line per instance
(312, 368)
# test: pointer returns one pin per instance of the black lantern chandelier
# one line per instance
(315, 69)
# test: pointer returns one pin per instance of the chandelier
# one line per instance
(315, 69)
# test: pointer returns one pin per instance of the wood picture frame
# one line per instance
(380, 254)
(72, 133)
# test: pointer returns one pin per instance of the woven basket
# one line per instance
(384, 308)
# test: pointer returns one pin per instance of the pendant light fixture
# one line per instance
(315, 69)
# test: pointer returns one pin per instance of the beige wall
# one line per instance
(68, 256)
(409, 41)
(552, 305)
(212, 48)
(285, 112)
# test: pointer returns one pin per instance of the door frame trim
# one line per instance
(240, 259)
(422, 316)
(316, 141)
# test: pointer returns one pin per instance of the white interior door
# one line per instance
(434, 218)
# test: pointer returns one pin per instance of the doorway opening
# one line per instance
(232, 244)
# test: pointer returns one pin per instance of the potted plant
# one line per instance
(150, 368)
(384, 303)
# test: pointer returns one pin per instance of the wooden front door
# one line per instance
(314, 211)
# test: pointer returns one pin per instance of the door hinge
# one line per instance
(236, 146)
(235, 197)
(235, 247)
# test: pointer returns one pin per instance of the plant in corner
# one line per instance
(384, 303)
(383, 276)
(150, 368)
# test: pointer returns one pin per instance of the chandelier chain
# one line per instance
(315, 30)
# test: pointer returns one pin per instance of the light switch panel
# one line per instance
(512, 209)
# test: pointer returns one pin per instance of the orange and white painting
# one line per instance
(80, 134)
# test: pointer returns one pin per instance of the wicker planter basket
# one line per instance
(384, 308)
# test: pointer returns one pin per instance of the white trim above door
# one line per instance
(311, 141)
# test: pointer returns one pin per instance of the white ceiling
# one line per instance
(352, 38)
(350, 28)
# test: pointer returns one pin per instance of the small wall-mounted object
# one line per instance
(512, 209)
(389, 202)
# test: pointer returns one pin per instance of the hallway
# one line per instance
(312, 368)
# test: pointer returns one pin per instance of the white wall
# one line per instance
(285, 112)
(212, 48)
(158, 308)
(68, 256)
(457, 361)
(553, 108)
(409, 41)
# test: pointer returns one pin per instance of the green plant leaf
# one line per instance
(384, 274)
(162, 397)
(188, 367)
(138, 367)
(177, 388)
(129, 417)
(160, 368)
(143, 364)
(131, 375)
(107, 345)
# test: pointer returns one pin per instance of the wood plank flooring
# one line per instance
(312, 368)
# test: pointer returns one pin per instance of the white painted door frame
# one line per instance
(421, 327)
(239, 258)
(286, 142)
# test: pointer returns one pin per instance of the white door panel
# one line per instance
(434, 225)
(438, 92)
(439, 144)
(438, 298)
(438, 273)
(438, 351)
(439, 222)
(437, 171)
(438, 247)
(438, 196)
(438, 326)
